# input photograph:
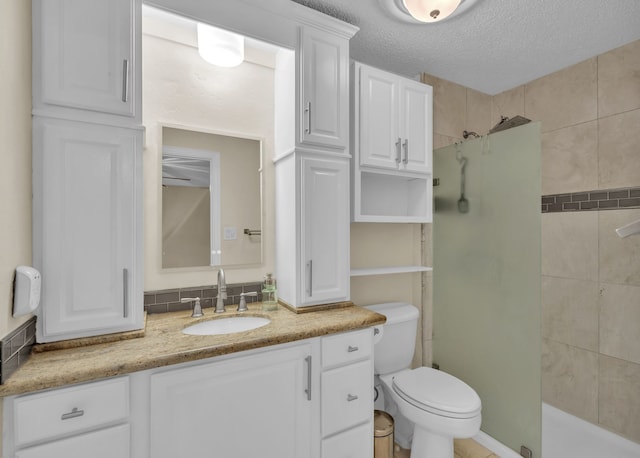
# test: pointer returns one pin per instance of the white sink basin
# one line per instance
(226, 325)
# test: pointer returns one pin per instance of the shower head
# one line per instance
(507, 123)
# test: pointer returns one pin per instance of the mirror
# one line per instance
(184, 97)
(211, 199)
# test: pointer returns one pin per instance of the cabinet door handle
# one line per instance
(310, 277)
(125, 292)
(73, 414)
(307, 111)
(308, 388)
(351, 397)
(398, 152)
(405, 145)
(125, 80)
(352, 349)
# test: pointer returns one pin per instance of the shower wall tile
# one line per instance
(619, 150)
(570, 379)
(619, 258)
(619, 403)
(508, 103)
(570, 245)
(570, 159)
(619, 318)
(619, 80)
(449, 106)
(564, 98)
(440, 141)
(478, 112)
(570, 311)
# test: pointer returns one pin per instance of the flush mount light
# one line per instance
(426, 11)
(220, 47)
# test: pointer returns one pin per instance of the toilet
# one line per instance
(430, 407)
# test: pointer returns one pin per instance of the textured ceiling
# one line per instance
(494, 45)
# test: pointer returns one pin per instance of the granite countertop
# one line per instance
(164, 344)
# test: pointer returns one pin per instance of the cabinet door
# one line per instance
(105, 443)
(324, 91)
(85, 54)
(416, 126)
(252, 406)
(87, 223)
(325, 231)
(380, 140)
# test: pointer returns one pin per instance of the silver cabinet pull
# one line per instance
(351, 397)
(308, 388)
(73, 414)
(125, 292)
(125, 80)
(398, 153)
(310, 278)
(405, 145)
(352, 349)
(307, 112)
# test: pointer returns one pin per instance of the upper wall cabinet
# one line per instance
(323, 93)
(85, 60)
(392, 146)
(395, 115)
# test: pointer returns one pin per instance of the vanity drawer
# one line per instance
(347, 397)
(346, 348)
(354, 443)
(70, 410)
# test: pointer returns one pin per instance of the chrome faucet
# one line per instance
(222, 292)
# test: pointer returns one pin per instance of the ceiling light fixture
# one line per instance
(220, 47)
(431, 10)
(426, 11)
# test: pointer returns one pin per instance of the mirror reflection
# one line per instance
(211, 199)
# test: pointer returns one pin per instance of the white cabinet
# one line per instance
(85, 57)
(395, 115)
(87, 221)
(83, 420)
(347, 395)
(312, 229)
(250, 406)
(323, 100)
(392, 146)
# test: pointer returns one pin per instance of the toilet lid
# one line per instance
(437, 392)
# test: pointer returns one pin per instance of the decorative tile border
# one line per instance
(168, 300)
(603, 199)
(15, 348)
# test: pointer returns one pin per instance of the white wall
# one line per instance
(15, 132)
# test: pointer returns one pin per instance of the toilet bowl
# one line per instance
(430, 407)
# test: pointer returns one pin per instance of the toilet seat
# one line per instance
(446, 395)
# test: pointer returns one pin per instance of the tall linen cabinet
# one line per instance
(87, 167)
(312, 171)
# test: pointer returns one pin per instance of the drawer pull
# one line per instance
(73, 414)
(352, 349)
(351, 397)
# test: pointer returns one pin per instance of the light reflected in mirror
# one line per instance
(211, 199)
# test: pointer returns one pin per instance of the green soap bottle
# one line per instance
(269, 293)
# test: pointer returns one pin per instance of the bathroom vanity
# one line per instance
(300, 386)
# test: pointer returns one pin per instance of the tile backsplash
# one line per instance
(16, 347)
(168, 300)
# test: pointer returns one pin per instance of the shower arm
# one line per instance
(629, 229)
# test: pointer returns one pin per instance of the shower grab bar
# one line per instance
(629, 229)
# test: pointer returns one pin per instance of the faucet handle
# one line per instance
(242, 306)
(197, 308)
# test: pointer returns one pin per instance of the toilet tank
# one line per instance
(394, 347)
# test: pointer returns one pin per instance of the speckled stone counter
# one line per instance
(164, 344)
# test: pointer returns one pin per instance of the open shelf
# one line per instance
(388, 270)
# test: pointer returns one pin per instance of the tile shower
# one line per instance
(590, 277)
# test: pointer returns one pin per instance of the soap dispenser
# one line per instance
(269, 293)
